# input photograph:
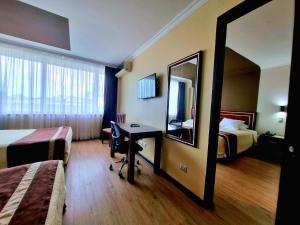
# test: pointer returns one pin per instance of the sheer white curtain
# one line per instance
(39, 89)
(173, 99)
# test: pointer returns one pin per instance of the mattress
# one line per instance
(32, 194)
(245, 140)
(19, 147)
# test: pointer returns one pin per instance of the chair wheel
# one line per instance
(121, 175)
(111, 168)
(138, 162)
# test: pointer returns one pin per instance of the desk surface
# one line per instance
(134, 130)
(135, 133)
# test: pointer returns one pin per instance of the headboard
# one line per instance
(248, 117)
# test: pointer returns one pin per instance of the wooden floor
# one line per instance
(246, 193)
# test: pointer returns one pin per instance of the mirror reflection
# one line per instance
(255, 90)
(183, 77)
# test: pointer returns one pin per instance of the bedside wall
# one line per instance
(273, 92)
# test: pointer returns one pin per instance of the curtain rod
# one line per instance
(10, 42)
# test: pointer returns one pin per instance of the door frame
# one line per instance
(288, 197)
(221, 32)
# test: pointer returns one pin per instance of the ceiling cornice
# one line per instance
(187, 11)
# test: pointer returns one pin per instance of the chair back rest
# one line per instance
(121, 117)
(117, 138)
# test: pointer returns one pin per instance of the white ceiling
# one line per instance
(109, 31)
(265, 35)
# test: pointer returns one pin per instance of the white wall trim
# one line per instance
(187, 11)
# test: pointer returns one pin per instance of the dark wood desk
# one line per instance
(134, 134)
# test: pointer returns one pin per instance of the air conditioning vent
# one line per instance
(126, 68)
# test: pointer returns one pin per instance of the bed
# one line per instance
(25, 146)
(32, 194)
(236, 141)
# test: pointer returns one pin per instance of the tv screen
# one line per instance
(147, 87)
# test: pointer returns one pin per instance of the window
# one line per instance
(173, 102)
(39, 84)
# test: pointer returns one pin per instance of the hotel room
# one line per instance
(148, 112)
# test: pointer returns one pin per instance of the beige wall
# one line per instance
(273, 92)
(195, 33)
(187, 70)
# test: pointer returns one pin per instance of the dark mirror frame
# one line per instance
(233, 14)
(198, 56)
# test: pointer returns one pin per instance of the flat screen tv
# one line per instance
(147, 87)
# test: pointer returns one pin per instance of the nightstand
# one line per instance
(270, 147)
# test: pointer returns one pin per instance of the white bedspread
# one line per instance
(10, 136)
(6, 138)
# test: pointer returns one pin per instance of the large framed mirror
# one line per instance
(184, 78)
(270, 42)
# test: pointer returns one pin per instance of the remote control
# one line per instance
(134, 125)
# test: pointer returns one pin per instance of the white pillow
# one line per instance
(189, 122)
(244, 126)
(231, 124)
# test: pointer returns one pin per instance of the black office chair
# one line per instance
(121, 146)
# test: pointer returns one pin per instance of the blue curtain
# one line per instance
(181, 101)
(110, 97)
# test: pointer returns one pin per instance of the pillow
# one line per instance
(231, 124)
(189, 122)
(244, 126)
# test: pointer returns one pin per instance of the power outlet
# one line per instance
(183, 167)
